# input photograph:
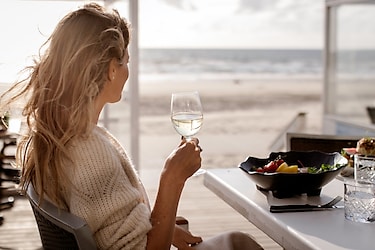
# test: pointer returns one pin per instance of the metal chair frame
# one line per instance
(58, 228)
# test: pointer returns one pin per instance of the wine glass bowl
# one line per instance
(187, 116)
(186, 113)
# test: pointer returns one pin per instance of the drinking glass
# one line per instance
(187, 115)
(359, 201)
(364, 168)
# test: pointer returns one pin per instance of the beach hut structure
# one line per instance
(349, 67)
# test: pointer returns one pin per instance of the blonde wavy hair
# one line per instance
(60, 92)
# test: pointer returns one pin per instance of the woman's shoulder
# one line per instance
(97, 136)
(95, 146)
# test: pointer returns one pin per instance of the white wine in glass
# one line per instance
(187, 115)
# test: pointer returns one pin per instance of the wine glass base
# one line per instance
(199, 172)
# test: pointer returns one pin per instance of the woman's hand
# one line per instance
(184, 161)
(183, 239)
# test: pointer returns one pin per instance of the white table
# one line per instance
(301, 230)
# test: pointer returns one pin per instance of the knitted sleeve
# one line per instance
(106, 193)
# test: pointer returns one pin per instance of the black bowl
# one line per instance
(285, 185)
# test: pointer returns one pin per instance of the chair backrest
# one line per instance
(58, 228)
(324, 143)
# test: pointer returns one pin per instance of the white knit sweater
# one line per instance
(108, 193)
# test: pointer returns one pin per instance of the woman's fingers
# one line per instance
(186, 159)
(195, 141)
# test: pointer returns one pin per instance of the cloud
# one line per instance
(247, 23)
(256, 5)
(180, 4)
(219, 23)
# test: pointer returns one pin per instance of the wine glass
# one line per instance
(187, 115)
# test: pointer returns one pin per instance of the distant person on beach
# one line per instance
(79, 165)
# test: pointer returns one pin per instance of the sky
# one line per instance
(185, 23)
(232, 23)
(276, 24)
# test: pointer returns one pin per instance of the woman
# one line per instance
(80, 166)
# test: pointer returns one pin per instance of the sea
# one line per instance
(253, 62)
(154, 63)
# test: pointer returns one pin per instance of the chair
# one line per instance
(9, 176)
(321, 142)
(58, 228)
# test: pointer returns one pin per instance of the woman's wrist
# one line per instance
(170, 180)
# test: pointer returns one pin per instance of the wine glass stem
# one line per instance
(188, 138)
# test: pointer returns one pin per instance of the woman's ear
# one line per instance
(112, 69)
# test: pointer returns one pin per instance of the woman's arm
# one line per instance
(179, 166)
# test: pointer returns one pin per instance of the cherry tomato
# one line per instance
(279, 162)
(270, 167)
(260, 170)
